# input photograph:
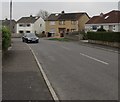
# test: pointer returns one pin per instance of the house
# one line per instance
(109, 21)
(6, 23)
(58, 24)
(30, 25)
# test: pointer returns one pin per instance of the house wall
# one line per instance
(81, 22)
(49, 27)
(70, 26)
(56, 27)
(24, 29)
(113, 26)
(39, 26)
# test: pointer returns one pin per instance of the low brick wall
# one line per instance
(112, 44)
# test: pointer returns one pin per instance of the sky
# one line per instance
(27, 8)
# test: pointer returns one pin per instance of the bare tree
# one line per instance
(43, 14)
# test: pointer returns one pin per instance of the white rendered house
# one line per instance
(110, 22)
(30, 25)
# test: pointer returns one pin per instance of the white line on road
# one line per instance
(94, 59)
(54, 95)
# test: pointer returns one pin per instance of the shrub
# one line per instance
(101, 29)
(104, 36)
(6, 38)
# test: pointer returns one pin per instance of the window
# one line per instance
(94, 27)
(27, 31)
(21, 31)
(28, 25)
(40, 25)
(73, 22)
(52, 30)
(52, 23)
(61, 22)
(72, 30)
(21, 25)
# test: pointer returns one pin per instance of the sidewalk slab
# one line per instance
(21, 78)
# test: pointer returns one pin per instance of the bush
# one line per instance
(6, 38)
(101, 29)
(41, 35)
(104, 36)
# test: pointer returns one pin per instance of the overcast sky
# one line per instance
(21, 9)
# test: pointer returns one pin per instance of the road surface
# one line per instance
(79, 72)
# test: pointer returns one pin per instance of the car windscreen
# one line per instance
(31, 35)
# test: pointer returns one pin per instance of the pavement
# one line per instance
(0, 66)
(21, 78)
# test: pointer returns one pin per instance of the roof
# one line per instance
(53, 17)
(7, 22)
(110, 17)
(28, 19)
(71, 16)
(65, 16)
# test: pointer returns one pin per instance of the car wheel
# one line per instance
(26, 41)
(23, 40)
(37, 41)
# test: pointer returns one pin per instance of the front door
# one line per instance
(62, 31)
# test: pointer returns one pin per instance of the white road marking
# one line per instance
(54, 95)
(94, 59)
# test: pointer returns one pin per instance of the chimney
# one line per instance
(31, 16)
(63, 12)
(6, 19)
(101, 14)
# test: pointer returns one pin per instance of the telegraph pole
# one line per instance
(10, 20)
(10, 16)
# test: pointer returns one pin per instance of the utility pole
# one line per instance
(10, 20)
(10, 16)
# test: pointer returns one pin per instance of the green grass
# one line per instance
(59, 39)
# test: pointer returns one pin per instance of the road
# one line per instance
(79, 72)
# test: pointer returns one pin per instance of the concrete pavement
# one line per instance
(22, 79)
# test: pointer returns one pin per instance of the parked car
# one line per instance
(30, 37)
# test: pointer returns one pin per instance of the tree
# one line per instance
(43, 14)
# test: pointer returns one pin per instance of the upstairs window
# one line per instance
(21, 25)
(73, 22)
(40, 25)
(61, 22)
(52, 23)
(28, 25)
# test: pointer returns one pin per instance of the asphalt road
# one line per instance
(79, 72)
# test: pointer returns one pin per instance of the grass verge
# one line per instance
(59, 39)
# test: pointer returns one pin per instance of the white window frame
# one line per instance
(52, 22)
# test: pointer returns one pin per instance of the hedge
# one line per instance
(104, 36)
(6, 38)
